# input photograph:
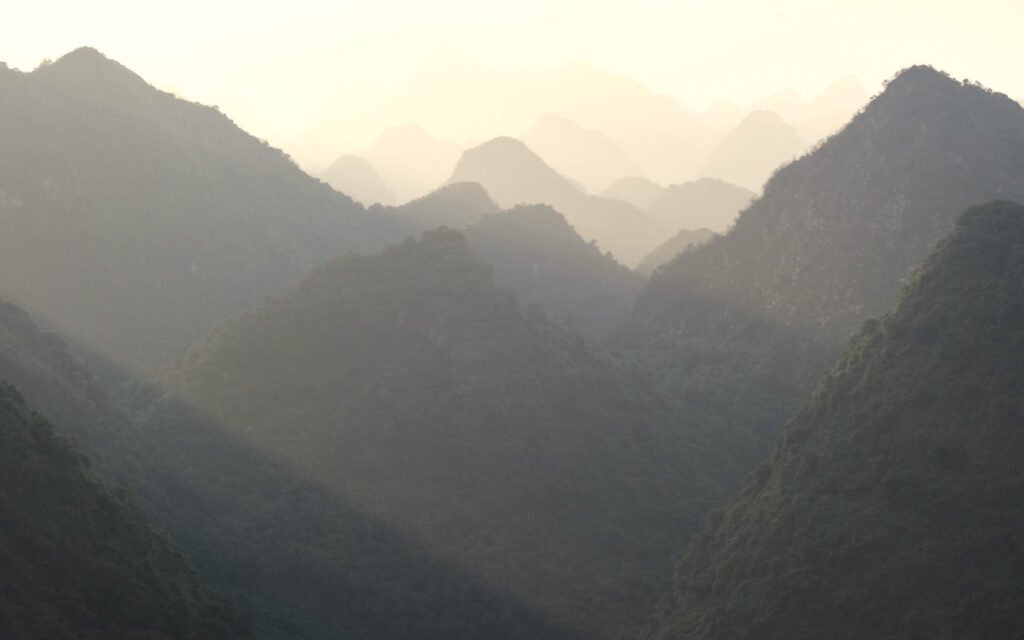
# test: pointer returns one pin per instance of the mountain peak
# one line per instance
(86, 65)
(921, 76)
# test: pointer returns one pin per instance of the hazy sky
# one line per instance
(272, 65)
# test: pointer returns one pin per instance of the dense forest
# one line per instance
(762, 311)
(891, 507)
(81, 562)
(412, 388)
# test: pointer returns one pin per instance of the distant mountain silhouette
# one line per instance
(820, 115)
(356, 178)
(135, 221)
(456, 99)
(411, 161)
(634, 190)
(586, 155)
(409, 386)
(536, 253)
(891, 506)
(455, 205)
(748, 154)
(705, 203)
(768, 306)
(665, 252)
(513, 174)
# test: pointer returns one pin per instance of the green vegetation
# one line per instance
(744, 325)
(408, 388)
(891, 507)
(78, 562)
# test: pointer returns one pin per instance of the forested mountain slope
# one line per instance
(538, 255)
(134, 221)
(411, 388)
(891, 507)
(762, 311)
(79, 562)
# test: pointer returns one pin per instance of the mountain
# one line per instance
(513, 174)
(412, 161)
(537, 254)
(891, 505)
(587, 155)
(409, 387)
(80, 562)
(456, 205)
(762, 311)
(747, 155)
(704, 203)
(663, 253)
(117, 196)
(821, 115)
(459, 100)
(635, 190)
(58, 384)
(356, 178)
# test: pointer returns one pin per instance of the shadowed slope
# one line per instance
(412, 387)
(891, 507)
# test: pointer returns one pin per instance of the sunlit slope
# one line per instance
(134, 221)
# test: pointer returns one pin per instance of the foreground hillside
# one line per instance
(891, 507)
(410, 388)
(78, 561)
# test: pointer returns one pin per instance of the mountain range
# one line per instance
(891, 506)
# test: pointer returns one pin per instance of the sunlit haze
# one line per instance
(272, 66)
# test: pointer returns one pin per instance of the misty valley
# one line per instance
(540, 354)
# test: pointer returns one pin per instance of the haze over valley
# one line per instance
(638, 321)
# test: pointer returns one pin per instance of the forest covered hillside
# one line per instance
(538, 255)
(891, 507)
(80, 562)
(762, 311)
(134, 221)
(409, 385)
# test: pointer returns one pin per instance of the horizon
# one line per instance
(248, 68)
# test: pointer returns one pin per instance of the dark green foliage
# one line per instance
(537, 254)
(62, 387)
(134, 221)
(409, 388)
(762, 311)
(79, 563)
(892, 506)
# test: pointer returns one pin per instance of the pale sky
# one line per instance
(271, 66)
